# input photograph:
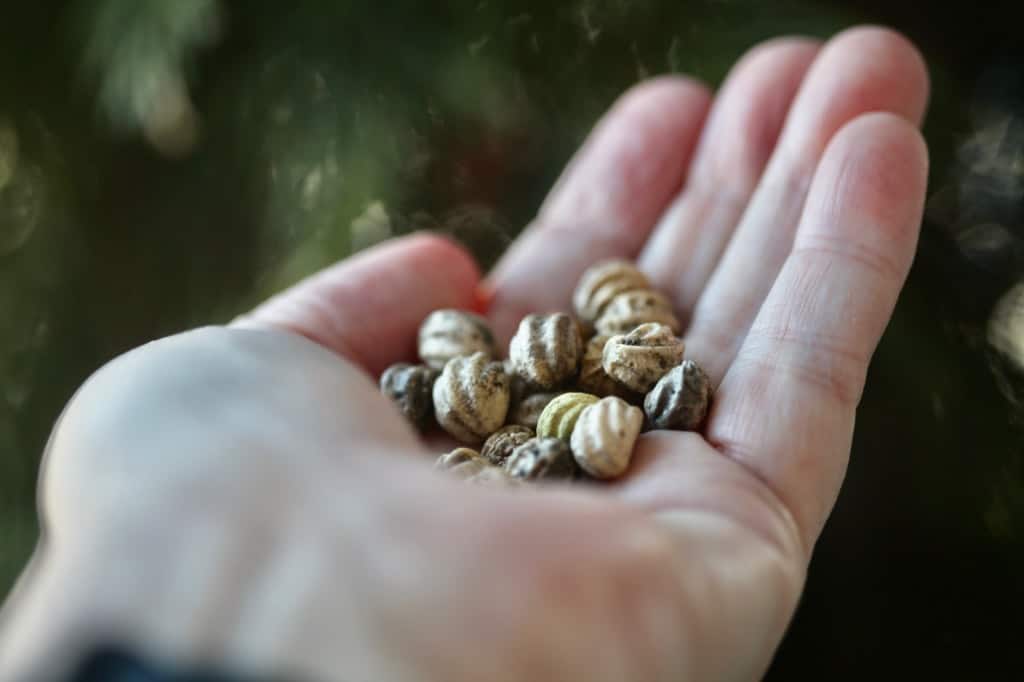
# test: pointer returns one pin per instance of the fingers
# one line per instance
(369, 307)
(785, 409)
(607, 200)
(861, 70)
(734, 148)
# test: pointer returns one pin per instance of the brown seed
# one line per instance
(410, 387)
(449, 333)
(641, 357)
(593, 379)
(518, 387)
(546, 349)
(602, 282)
(501, 443)
(494, 477)
(540, 458)
(605, 434)
(633, 308)
(470, 468)
(456, 457)
(471, 397)
(680, 398)
(529, 409)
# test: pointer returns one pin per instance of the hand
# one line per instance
(244, 495)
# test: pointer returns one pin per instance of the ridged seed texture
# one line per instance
(559, 417)
(449, 333)
(604, 437)
(546, 350)
(471, 397)
(680, 398)
(633, 308)
(641, 357)
(602, 282)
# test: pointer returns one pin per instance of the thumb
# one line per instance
(367, 308)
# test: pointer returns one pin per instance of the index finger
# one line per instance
(606, 202)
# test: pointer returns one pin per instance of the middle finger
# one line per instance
(859, 71)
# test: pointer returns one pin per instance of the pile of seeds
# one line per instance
(574, 393)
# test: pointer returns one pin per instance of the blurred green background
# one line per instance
(165, 164)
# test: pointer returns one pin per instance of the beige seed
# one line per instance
(470, 469)
(593, 379)
(501, 443)
(528, 410)
(602, 282)
(449, 333)
(546, 349)
(605, 434)
(641, 357)
(456, 457)
(471, 397)
(560, 415)
(633, 308)
(494, 477)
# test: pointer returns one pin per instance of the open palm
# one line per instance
(244, 495)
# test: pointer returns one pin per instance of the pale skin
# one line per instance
(243, 495)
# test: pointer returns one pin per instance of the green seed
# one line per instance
(559, 417)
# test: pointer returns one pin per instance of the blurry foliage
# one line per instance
(168, 164)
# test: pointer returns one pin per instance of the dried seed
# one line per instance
(518, 387)
(540, 458)
(559, 417)
(457, 456)
(410, 387)
(493, 476)
(680, 398)
(605, 434)
(501, 443)
(593, 379)
(641, 357)
(470, 468)
(528, 410)
(449, 333)
(602, 282)
(546, 349)
(633, 308)
(471, 397)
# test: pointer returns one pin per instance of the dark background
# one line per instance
(308, 130)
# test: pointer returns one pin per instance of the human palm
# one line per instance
(245, 496)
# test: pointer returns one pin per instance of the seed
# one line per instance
(494, 477)
(501, 443)
(641, 357)
(605, 434)
(456, 457)
(602, 282)
(680, 398)
(449, 333)
(559, 417)
(593, 379)
(546, 349)
(410, 387)
(540, 458)
(633, 308)
(471, 397)
(529, 409)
